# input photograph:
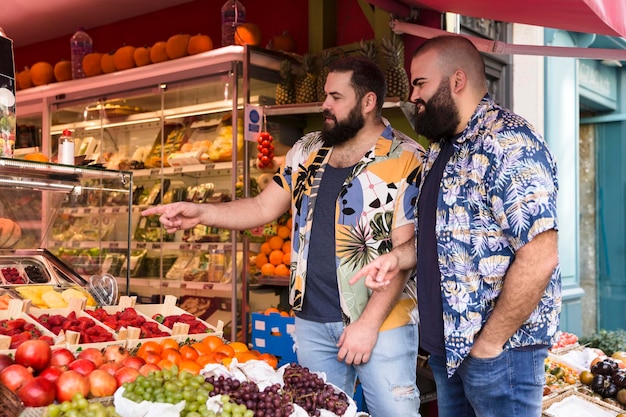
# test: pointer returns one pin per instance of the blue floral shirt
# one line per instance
(498, 191)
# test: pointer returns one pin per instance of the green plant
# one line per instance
(609, 341)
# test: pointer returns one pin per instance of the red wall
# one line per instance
(203, 16)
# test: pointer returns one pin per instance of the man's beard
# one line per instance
(440, 117)
(342, 131)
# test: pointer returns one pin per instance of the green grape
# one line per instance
(54, 410)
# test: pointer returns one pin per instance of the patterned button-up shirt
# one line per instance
(376, 197)
(498, 191)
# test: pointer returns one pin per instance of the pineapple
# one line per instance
(325, 58)
(285, 90)
(306, 83)
(367, 49)
(397, 79)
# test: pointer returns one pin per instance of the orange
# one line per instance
(287, 258)
(284, 232)
(276, 257)
(152, 357)
(268, 269)
(271, 310)
(245, 356)
(169, 343)
(261, 259)
(165, 364)
(284, 314)
(229, 351)
(190, 366)
(270, 359)
(172, 355)
(281, 270)
(213, 342)
(239, 347)
(289, 223)
(286, 246)
(205, 359)
(265, 248)
(150, 346)
(201, 348)
(217, 357)
(276, 242)
(187, 352)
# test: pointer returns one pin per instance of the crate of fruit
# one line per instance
(75, 328)
(577, 403)
(16, 327)
(130, 324)
(272, 333)
(183, 325)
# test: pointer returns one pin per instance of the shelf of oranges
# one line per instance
(274, 257)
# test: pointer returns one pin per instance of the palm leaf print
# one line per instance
(353, 247)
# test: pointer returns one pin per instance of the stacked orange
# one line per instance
(194, 356)
(274, 259)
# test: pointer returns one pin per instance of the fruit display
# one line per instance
(90, 331)
(558, 376)
(274, 258)
(127, 317)
(48, 296)
(23, 329)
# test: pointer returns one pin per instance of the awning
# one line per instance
(602, 17)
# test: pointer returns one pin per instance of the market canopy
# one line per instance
(601, 17)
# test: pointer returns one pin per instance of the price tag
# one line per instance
(207, 287)
(184, 246)
(197, 246)
(165, 284)
(114, 245)
(87, 210)
(115, 210)
(155, 171)
(209, 167)
(141, 245)
(156, 246)
(183, 285)
(178, 170)
(74, 211)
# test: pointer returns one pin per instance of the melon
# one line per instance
(10, 233)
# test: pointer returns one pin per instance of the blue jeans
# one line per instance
(388, 379)
(511, 384)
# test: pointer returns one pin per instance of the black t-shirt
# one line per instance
(321, 298)
(428, 274)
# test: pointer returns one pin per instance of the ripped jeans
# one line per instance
(388, 379)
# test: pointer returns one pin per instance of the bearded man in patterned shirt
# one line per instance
(488, 276)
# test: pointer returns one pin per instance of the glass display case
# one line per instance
(60, 225)
(178, 126)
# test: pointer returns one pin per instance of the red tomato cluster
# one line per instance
(128, 317)
(266, 150)
(566, 339)
(89, 331)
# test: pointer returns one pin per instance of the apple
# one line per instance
(101, 383)
(37, 392)
(69, 383)
(134, 362)
(111, 367)
(126, 374)
(147, 368)
(92, 354)
(33, 353)
(52, 373)
(14, 376)
(82, 366)
(61, 357)
(115, 353)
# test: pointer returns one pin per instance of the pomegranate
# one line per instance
(82, 366)
(134, 362)
(111, 367)
(101, 383)
(147, 368)
(52, 373)
(92, 354)
(115, 353)
(69, 383)
(126, 374)
(5, 360)
(37, 392)
(61, 357)
(33, 353)
(14, 376)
